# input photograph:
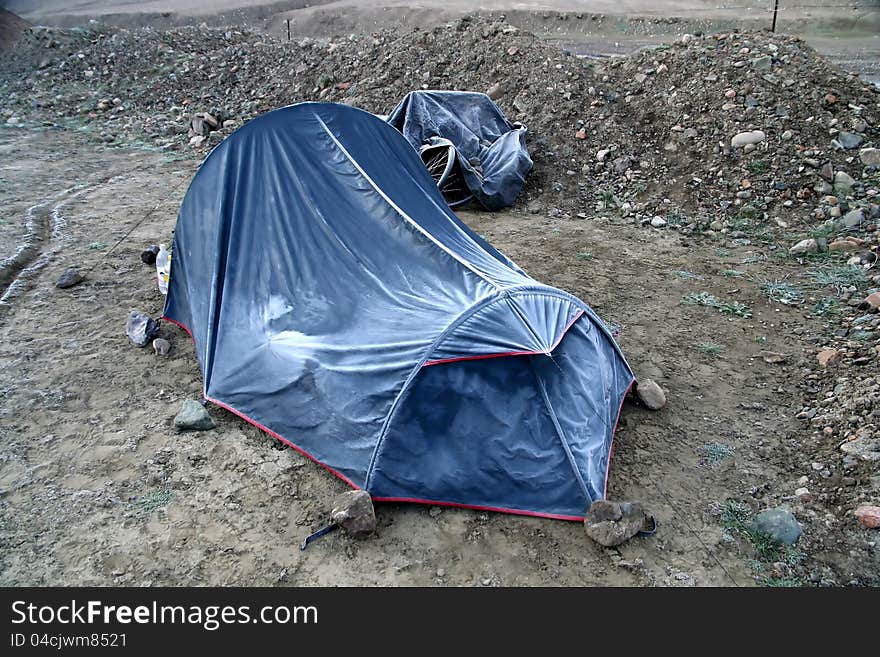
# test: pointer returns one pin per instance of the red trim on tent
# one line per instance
(509, 353)
(407, 500)
(267, 429)
(518, 512)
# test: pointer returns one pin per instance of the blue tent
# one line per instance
(336, 302)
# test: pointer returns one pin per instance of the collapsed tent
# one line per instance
(467, 138)
(337, 302)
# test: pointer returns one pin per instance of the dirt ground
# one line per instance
(96, 488)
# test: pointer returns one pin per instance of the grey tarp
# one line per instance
(492, 153)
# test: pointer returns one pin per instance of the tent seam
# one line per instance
(469, 266)
(465, 315)
(565, 446)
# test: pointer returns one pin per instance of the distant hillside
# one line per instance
(11, 27)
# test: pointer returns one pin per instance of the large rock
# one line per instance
(745, 138)
(868, 516)
(650, 394)
(777, 524)
(193, 417)
(870, 157)
(843, 183)
(611, 523)
(853, 218)
(353, 511)
(849, 140)
(871, 302)
(828, 357)
(69, 278)
(809, 245)
(141, 329)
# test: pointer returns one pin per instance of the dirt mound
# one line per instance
(11, 28)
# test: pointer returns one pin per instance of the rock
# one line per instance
(849, 140)
(777, 524)
(658, 222)
(828, 357)
(853, 218)
(611, 523)
(197, 141)
(809, 245)
(602, 154)
(844, 246)
(787, 135)
(865, 447)
(871, 302)
(762, 63)
(773, 357)
(843, 183)
(161, 346)
(804, 495)
(148, 255)
(746, 138)
(69, 278)
(193, 417)
(870, 157)
(827, 172)
(651, 394)
(229, 123)
(581, 134)
(496, 91)
(868, 516)
(353, 511)
(141, 329)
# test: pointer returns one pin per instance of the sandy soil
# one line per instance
(97, 488)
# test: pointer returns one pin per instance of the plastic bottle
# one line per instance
(163, 268)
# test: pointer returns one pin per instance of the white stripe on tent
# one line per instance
(403, 214)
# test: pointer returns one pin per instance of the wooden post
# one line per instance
(288, 26)
(775, 9)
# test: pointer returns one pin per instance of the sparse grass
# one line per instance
(154, 500)
(758, 166)
(782, 582)
(755, 257)
(736, 518)
(676, 219)
(840, 277)
(711, 348)
(733, 273)
(97, 245)
(609, 200)
(760, 339)
(683, 273)
(826, 306)
(714, 453)
(711, 301)
(823, 231)
(723, 253)
(782, 292)
(584, 255)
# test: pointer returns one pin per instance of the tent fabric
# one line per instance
(337, 302)
(492, 153)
